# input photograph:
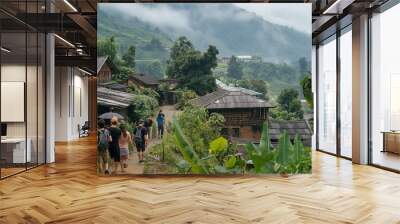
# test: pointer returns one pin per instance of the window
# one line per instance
(327, 95)
(346, 93)
(385, 89)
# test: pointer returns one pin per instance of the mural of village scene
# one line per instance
(203, 89)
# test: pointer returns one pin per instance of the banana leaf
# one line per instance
(265, 144)
(283, 150)
(187, 151)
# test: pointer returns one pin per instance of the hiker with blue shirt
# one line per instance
(160, 123)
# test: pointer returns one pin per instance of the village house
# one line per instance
(143, 81)
(245, 114)
(104, 73)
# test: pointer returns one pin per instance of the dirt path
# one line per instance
(134, 167)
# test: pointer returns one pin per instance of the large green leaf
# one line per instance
(230, 163)
(218, 145)
(284, 148)
(298, 149)
(187, 151)
(251, 148)
(265, 144)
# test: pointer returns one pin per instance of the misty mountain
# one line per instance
(152, 28)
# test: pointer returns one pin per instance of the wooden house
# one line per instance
(244, 113)
(104, 73)
(144, 81)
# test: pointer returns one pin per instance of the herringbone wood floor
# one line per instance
(69, 191)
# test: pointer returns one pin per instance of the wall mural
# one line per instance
(208, 89)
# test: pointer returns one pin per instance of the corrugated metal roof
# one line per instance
(110, 97)
(223, 86)
(222, 99)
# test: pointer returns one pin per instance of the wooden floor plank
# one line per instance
(69, 191)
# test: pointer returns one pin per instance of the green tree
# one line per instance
(191, 68)
(142, 107)
(256, 85)
(108, 47)
(306, 84)
(234, 68)
(129, 57)
(289, 107)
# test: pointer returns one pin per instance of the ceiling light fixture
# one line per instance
(84, 71)
(5, 50)
(70, 5)
(65, 41)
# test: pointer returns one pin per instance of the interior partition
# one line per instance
(23, 89)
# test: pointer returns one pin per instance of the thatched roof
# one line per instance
(114, 98)
(223, 99)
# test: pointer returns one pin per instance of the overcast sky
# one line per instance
(295, 15)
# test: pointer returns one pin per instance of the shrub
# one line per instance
(200, 127)
(142, 107)
(184, 98)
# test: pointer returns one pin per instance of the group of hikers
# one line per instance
(113, 142)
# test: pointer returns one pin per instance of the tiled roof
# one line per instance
(223, 99)
(146, 79)
(276, 128)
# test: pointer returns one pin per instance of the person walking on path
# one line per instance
(113, 148)
(141, 137)
(124, 142)
(103, 139)
(148, 124)
(160, 124)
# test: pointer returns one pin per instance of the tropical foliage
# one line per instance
(287, 158)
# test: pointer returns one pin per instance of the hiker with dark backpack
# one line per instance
(103, 139)
(141, 137)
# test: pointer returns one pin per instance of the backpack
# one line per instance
(138, 135)
(103, 137)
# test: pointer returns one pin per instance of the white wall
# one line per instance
(71, 94)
